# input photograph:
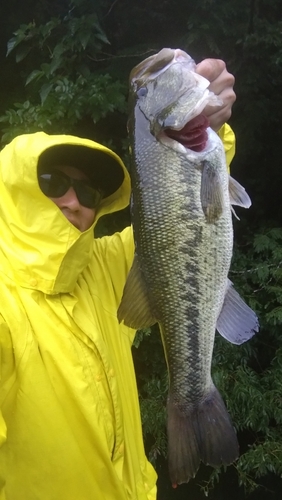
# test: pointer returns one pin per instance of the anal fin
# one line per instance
(237, 322)
(238, 195)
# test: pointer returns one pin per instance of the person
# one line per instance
(70, 426)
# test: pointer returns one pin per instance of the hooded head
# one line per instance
(40, 247)
(100, 165)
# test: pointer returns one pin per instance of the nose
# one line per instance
(69, 200)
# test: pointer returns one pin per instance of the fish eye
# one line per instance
(142, 92)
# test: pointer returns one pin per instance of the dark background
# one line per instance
(82, 52)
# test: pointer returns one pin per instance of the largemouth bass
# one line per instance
(182, 220)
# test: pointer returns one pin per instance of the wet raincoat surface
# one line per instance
(69, 415)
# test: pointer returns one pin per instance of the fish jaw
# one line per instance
(155, 65)
(154, 84)
(196, 146)
(179, 117)
(152, 67)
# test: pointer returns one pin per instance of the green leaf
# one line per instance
(26, 105)
(84, 39)
(12, 43)
(45, 91)
(55, 64)
(36, 74)
(22, 53)
(101, 36)
(59, 50)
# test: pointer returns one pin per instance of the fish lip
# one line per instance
(179, 147)
(143, 71)
(192, 114)
(193, 137)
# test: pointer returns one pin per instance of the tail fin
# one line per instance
(203, 433)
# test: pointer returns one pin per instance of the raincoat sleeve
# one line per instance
(227, 136)
(7, 372)
(117, 252)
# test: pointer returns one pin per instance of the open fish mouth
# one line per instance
(193, 135)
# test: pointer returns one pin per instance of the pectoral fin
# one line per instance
(211, 193)
(238, 194)
(237, 322)
(134, 309)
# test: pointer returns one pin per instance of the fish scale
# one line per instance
(182, 244)
(182, 223)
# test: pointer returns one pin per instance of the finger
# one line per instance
(224, 81)
(219, 117)
(210, 68)
(227, 97)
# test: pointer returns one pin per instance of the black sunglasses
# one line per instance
(57, 183)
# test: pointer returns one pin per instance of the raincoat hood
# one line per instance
(40, 248)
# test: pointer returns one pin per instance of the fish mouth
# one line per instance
(193, 135)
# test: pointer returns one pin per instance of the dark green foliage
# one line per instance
(249, 376)
(66, 71)
(69, 83)
(63, 103)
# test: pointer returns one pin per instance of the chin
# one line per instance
(75, 224)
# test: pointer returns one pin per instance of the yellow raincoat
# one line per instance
(69, 415)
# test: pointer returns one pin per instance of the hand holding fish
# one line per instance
(221, 84)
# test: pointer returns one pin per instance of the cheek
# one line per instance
(88, 217)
